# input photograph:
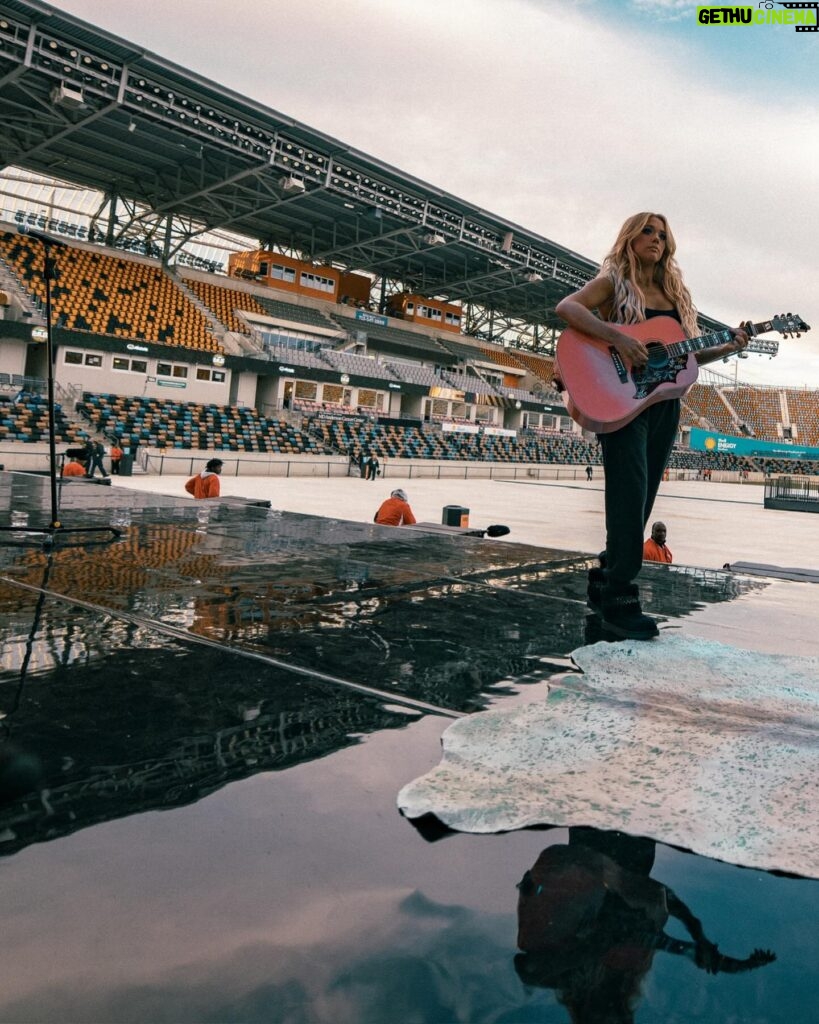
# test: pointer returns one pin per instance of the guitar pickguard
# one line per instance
(657, 372)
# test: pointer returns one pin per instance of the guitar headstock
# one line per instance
(789, 325)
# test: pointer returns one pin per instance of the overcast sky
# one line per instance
(565, 117)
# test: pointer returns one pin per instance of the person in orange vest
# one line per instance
(206, 483)
(116, 454)
(73, 468)
(395, 511)
(655, 548)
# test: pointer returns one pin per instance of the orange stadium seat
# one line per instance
(223, 303)
(106, 294)
(705, 403)
(803, 410)
(758, 407)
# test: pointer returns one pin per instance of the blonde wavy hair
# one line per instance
(620, 265)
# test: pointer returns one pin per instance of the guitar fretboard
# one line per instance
(704, 341)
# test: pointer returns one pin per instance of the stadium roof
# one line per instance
(83, 106)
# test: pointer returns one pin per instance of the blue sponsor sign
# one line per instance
(710, 441)
(371, 318)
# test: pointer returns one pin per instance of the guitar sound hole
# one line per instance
(657, 356)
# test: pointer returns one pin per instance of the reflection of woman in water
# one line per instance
(590, 921)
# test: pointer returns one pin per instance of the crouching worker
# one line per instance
(395, 511)
(206, 483)
(73, 468)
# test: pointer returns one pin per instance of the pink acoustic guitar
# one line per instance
(604, 393)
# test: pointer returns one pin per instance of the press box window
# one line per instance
(93, 360)
(120, 364)
(217, 376)
(281, 273)
(317, 282)
(73, 358)
(171, 370)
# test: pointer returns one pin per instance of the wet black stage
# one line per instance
(224, 703)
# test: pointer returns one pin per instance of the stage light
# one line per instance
(291, 185)
(67, 96)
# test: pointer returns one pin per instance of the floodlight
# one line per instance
(290, 184)
(68, 96)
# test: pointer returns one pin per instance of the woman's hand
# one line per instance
(632, 350)
(740, 339)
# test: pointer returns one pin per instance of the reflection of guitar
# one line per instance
(604, 393)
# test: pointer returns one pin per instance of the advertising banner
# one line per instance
(709, 441)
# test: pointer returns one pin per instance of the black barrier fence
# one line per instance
(177, 464)
(792, 493)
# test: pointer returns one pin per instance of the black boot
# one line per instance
(622, 615)
(594, 591)
(597, 583)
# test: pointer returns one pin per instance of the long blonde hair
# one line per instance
(620, 265)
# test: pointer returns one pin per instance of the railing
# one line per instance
(19, 382)
(176, 465)
(35, 458)
(792, 494)
(69, 394)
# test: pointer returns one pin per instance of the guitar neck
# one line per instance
(706, 341)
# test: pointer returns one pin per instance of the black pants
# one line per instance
(96, 464)
(634, 458)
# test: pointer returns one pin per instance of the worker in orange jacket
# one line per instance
(395, 511)
(655, 548)
(73, 468)
(206, 483)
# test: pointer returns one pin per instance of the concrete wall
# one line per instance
(12, 356)
(104, 379)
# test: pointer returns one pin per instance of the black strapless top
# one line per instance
(663, 312)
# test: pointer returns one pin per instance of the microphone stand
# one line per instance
(55, 527)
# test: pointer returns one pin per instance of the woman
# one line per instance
(639, 279)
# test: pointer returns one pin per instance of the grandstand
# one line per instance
(146, 421)
(118, 296)
(109, 305)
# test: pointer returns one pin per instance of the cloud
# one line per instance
(549, 115)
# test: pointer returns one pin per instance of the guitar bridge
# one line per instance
(619, 365)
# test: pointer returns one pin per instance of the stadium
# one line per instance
(207, 711)
(228, 280)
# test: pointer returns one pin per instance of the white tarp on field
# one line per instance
(687, 741)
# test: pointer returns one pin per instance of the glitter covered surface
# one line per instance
(687, 741)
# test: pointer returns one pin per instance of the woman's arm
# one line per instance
(576, 310)
(739, 342)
